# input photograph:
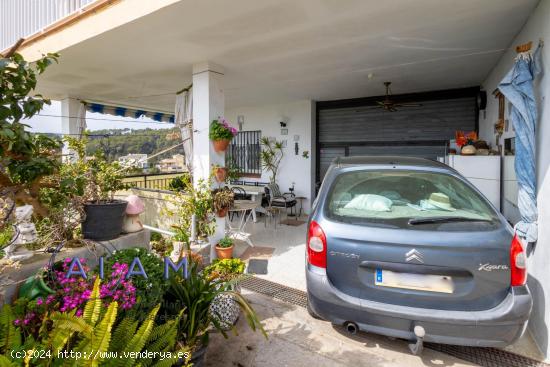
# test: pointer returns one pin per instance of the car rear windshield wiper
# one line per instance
(427, 220)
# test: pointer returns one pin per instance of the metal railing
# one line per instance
(22, 18)
(244, 152)
(159, 181)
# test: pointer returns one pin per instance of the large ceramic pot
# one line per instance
(221, 145)
(224, 252)
(103, 220)
(225, 310)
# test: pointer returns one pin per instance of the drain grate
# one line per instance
(275, 290)
(486, 357)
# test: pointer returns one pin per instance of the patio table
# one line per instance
(238, 232)
(257, 193)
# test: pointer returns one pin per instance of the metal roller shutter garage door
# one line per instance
(354, 127)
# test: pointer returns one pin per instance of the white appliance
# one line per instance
(482, 171)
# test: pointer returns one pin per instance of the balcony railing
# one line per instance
(23, 18)
(158, 181)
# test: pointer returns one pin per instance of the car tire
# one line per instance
(312, 313)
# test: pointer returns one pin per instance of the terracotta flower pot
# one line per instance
(221, 174)
(221, 145)
(222, 212)
(224, 252)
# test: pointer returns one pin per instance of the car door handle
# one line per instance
(415, 268)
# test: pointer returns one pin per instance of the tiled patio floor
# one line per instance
(286, 265)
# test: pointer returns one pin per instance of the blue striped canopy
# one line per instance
(130, 112)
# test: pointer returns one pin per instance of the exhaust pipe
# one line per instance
(351, 327)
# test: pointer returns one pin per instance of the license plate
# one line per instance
(422, 282)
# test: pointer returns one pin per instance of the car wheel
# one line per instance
(312, 313)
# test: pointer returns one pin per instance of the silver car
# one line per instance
(407, 247)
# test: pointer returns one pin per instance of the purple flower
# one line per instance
(39, 301)
(16, 322)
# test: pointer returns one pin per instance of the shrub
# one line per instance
(148, 291)
(221, 130)
(225, 242)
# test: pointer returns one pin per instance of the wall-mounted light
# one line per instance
(240, 121)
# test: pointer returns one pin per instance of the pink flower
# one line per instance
(16, 322)
(39, 301)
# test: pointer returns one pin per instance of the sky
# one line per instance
(49, 121)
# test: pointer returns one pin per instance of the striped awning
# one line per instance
(130, 112)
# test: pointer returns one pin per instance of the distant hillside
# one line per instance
(117, 143)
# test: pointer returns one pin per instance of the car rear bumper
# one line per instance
(495, 327)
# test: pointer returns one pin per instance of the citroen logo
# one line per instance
(414, 255)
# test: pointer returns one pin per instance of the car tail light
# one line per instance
(316, 246)
(518, 263)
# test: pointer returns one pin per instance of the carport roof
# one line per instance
(276, 51)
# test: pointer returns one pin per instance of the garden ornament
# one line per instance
(135, 207)
(25, 233)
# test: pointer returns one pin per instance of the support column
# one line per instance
(208, 105)
(69, 122)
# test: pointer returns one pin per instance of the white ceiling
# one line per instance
(274, 51)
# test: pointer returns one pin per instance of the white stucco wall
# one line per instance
(293, 168)
(537, 27)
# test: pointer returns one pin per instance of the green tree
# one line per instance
(24, 158)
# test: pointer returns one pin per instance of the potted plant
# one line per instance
(104, 214)
(224, 248)
(220, 173)
(194, 295)
(195, 201)
(271, 156)
(224, 307)
(222, 199)
(221, 134)
(466, 142)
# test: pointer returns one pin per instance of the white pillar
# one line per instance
(208, 105)
(69, 121)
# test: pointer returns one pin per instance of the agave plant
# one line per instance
(195, 294)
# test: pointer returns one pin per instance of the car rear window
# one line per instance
(394, 197)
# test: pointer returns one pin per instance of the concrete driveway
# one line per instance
(296, 339)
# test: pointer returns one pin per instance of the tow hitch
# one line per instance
(417, 347)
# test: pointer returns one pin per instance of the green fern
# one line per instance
(10, 336)
(122, 334)
(93, 306)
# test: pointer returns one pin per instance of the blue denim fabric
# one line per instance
(517, 87)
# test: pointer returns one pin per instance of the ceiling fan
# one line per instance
(390, 105)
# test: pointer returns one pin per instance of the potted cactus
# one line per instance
(221, 134)
(222, 200)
